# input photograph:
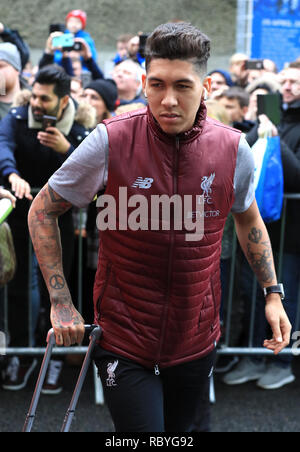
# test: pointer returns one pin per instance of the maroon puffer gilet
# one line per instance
(156, 295)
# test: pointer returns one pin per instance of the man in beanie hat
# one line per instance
(102, 95)
(75, 24)
(10, 68)
(220, 80)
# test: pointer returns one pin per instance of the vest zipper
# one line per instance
(171, 252)
(156, 370)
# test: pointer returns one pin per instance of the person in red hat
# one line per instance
(75, 24)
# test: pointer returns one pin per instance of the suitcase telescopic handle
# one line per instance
(94, 332)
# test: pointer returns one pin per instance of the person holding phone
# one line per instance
(76, 55)
(29, 155)
(76, 27)
(277, 371)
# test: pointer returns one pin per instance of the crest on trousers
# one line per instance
(111, 380)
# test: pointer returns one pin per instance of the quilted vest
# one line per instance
(157, 295)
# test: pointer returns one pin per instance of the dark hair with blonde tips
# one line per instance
(180, 41)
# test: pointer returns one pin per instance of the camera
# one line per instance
(48, 121)
(57, 27)
(254, 64)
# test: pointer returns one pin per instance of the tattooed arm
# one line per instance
(255, 242)
(67, 323)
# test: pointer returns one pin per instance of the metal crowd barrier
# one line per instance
(225, 349)
(30, 349)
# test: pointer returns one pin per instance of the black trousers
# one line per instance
(176, 400)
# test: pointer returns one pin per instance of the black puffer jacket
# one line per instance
(289, 131)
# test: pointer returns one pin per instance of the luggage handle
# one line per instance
(95, 332)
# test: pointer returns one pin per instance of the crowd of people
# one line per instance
(69, 85)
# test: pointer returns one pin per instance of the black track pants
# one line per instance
(177, 400)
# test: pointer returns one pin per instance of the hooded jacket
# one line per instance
(157, 295)
(289, 132)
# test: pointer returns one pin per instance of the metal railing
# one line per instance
(225, 348)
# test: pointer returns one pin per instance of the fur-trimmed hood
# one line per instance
(85, 114)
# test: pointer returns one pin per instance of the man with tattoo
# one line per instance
(157, 294)
(29, 155)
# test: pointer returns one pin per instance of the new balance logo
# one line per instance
(143, 183)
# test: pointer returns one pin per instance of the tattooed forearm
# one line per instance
(260, 256)
(45, 234)
(67, 322)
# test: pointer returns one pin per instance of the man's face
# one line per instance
(44, 101)
(290, 82)
(8, 77)
(218, 82)
(125, 76)
(174, 91)
(133, 46)
(232, 106)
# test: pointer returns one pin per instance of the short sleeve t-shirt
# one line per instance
(85, 172)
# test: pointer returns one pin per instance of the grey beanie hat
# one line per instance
(10, 54)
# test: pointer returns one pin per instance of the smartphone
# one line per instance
(57, 27)
(65, 41)
(142, 45)
(269, 105)
(48, 121)
(254, 64)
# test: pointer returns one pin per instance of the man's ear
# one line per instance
(207, 87)
(65, 101)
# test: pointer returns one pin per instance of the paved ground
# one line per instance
(245, 408)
